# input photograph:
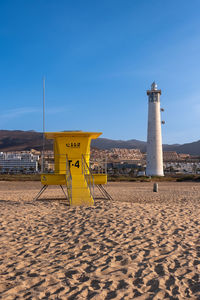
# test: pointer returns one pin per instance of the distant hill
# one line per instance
(190, 148)
(16, 140)
(102, 143)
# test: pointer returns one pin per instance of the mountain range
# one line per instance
(17, 140)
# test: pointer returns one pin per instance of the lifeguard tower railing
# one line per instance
(88, 175)
(98, 168)
(98, 165)
(91, 168)
(59, 177)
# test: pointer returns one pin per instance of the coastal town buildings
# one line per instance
(18, 162)
(116, 161)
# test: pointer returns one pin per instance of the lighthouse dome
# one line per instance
(154, 86)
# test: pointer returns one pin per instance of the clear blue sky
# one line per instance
(99, 58)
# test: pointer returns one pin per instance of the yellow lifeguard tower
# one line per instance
(72, 169)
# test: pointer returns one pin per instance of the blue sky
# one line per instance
(99, 58)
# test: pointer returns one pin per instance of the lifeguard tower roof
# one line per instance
(53, 135)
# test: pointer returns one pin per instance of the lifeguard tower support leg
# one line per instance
(44, 188)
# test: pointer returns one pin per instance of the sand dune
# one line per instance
(141, 245)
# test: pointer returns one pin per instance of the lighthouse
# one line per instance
(154, 135)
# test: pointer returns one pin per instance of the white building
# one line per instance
(154, 137)
(18, 162)
(183, 167)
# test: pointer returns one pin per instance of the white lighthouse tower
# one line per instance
(154, 138)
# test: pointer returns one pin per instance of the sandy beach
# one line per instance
(141, 245)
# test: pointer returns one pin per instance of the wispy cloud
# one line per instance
(22, 111)
(18, 112)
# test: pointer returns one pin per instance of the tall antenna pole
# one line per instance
(43, 137)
